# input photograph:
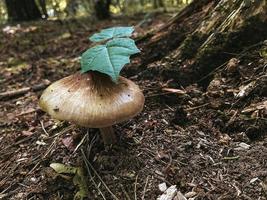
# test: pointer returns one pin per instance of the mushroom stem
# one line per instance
(108, 135)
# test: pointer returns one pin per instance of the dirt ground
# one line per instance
(209, 142)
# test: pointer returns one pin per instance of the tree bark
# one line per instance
(196, 41)
(22, 10)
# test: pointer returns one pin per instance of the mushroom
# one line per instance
(93, 100)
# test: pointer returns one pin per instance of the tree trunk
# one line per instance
(22, 10)
(102, 9)
(43, 7)
(203, 36)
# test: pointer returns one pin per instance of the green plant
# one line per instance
(110, 58)
(78, 179)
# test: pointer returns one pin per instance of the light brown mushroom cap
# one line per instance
(92, 100)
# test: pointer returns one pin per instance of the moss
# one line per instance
(191, 44)
(252, 31)
(213, 55)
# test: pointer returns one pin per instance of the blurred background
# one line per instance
(27, 10)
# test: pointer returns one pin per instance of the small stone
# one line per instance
(190, 194)
(19, 103)
(165, 121)
(41, 143)
(253, 180)
(159, 173)
(180, 196)
(201, 133)
(169, 194)
(33, 179)
(162, 187)
(242, 146)
(20, 195)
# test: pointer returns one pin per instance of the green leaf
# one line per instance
(61, 168)
(80, 181)
(109, 58)
(109, 33)
(79, 178)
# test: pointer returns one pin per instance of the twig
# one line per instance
(144, 192)
(135, 188)
(89, 148)
(159, 94)
(194, 108)
(80, 143)
(231, 158)
(27, 112)
(42, 125)
(49, 149)
(99, 177)
(240, 55)
(124, 191)
(213, 71)
(7, 188)
(22, 91)
(169, 107)
(163, 179)
(91, 177)
(35, 166)
(17, 143)
(55, 140)
(9, 94)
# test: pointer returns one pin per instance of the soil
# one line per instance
(209, 142)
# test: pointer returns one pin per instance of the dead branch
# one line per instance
(22, 91)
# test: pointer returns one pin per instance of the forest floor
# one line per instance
(209, 142)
